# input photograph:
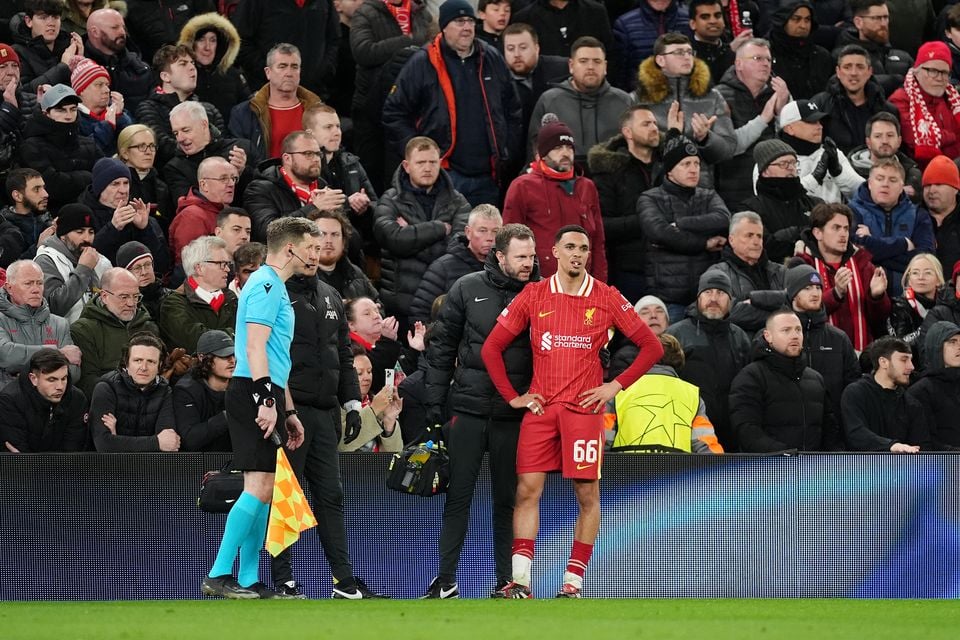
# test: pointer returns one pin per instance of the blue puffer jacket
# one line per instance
(634, 34)
(889, 231)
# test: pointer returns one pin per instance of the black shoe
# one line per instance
(290, 589)
(266, 593)
(226, 587)
(355, 589)
(441, 591)
(498, 590)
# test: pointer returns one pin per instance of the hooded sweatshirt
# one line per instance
(938, 390)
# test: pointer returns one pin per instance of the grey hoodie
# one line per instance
(24, 331)
(592, 117)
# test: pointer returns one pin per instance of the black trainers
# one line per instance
(266, 593)
(498, 590)
(515, 591)
(290, 589)
(441, 591)
(226, 587)
(355, 589)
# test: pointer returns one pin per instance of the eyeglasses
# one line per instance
(144, 147)
(766, 59)
(223, 264)
(125, 298)
(682, 53)
(233, 179)
(786, 165)
(143, 267)
(936, 74)
(310, 155)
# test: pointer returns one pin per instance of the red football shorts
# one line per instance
(561, 440)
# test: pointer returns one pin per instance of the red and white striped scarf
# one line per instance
(854, 298)
(926, 131)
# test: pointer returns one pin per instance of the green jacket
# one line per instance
(184, 317)
(101, 337)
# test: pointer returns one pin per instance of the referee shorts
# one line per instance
(561, 439)
(251, 452)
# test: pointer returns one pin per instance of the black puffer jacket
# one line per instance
(129, 74)
(409, 251)
(559, 28)
(748, 279)
(457, 262)
(375, 36)
(349, 281)
(109, 239)
(63, 157)
(154, 112)
(38, 64)
(938, 391)
(220, 83)
(181, 172)
(322, 375)
(785, 209)
(33, 425)
(140, 413)
(676, 223)
(889, 65)
(715, 351)
(803, 65)
(875, 418)
(733, 177)
(948, 237)
(154, 23)
(779, 403)
(152, 190)
(345, 172)
(905, 320)
(620, 179)
(200, 416)
(468, 316)
(842, 123)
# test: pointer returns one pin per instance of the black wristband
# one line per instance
(262, 391)
(289, 412)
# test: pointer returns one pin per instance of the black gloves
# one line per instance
(353, 424)
(833, 160)
(820, 171)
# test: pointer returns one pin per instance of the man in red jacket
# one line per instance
(929, 106)
(552, 196)
(197, 211)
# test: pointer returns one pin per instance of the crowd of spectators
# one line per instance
(772, 183)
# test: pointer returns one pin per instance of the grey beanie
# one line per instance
(769, 150)
(799, 278)
(714, 279)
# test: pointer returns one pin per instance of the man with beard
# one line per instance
(752, 274)
(106, 325)
(552, 195)
(938, 389)
(851, 98)
(941, 184)
(483, 420)
(714, 349)
(883, 141)
(28, 214)
(878, 413)
(72, 268)
(871, 30)
(335, 269)
(803, 65)
(198, 211)
(291, 185)
(106, 44)
(777, 403)
(623, 167)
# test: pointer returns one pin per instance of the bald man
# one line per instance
(106, 44)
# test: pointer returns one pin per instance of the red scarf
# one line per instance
(303, 194)
(911, 297)
(735, 25)
(215, 298)
(401, 13)
(550, 172)
(360, 340)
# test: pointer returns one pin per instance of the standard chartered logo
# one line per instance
(548, 341)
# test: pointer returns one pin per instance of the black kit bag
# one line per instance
(219, 490)
(420, 470)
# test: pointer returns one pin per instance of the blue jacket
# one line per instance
(887, 241)
(416, 105)
(634, 34)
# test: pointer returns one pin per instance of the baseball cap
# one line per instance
(798, 110)
(57, 95)
(215, 342)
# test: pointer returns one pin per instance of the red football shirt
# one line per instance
(283, 121)
(567, 333)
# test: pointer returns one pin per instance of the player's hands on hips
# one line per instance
(532, 401)
(599, 396)
(267, 420)
(294, 432)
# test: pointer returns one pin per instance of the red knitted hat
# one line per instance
(84, 73)
(933, 51)
(942, 170)
(8, 54)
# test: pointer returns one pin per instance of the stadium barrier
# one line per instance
(117, 527)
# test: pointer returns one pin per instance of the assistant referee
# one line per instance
(256, 398)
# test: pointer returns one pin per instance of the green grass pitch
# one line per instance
(484, 619)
